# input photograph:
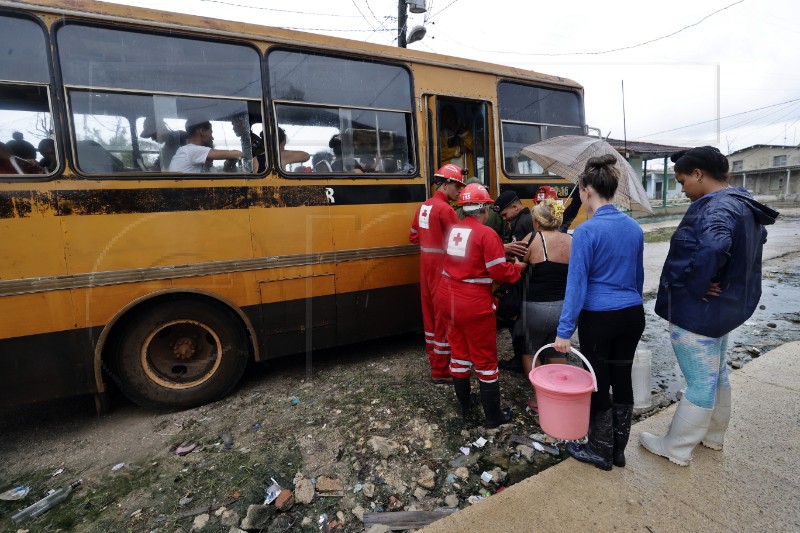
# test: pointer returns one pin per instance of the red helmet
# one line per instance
(450, 172)
(474, 193)
(544, 192)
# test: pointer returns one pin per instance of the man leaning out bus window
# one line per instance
(198, 153)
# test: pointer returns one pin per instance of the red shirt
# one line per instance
(431, 222)
(475, 254)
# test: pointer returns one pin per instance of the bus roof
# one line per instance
(177, 21)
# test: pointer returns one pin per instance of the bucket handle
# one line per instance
(576, 352)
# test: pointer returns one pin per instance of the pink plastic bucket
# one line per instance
(564, 394)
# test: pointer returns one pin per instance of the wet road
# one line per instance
(776, 321)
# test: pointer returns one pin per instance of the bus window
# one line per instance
(27, 145)
(462, 138)
(346, 125)
(131, 95)
(531, 114)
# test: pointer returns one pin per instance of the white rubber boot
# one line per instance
(688, 428)
(719, 420)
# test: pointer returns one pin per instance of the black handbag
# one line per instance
(510, 295)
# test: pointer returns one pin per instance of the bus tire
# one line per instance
(180, 354)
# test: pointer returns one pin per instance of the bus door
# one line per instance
(458, 133)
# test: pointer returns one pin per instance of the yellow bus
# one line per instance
(129, 258)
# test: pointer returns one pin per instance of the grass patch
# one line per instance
(659, 235)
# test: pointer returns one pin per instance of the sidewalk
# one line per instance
(752, 485)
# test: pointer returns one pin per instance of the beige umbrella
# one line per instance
(566, 156)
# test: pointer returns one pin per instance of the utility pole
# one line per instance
(402, 20)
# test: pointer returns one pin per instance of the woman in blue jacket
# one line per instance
(710, 284)
(604, 299)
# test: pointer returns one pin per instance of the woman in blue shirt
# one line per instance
(710, 284)
(604, 299)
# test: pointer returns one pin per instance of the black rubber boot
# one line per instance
(490, 399)
(462, 388)
(600, 447)
(622, 415)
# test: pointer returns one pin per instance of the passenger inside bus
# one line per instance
(339, 164)
(321, 161)
(198, 154)
(289, 157)
(20, 147)
(252, 144)
(170, 141)
(48, 162)
(13, 165)
(455, 139)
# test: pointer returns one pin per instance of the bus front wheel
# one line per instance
(180, 354)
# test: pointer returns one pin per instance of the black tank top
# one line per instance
(545, 281)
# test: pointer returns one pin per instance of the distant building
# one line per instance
(638, 154)
(766, 169)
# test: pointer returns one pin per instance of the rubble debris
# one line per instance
(401, 520)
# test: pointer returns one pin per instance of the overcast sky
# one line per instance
(708, 59)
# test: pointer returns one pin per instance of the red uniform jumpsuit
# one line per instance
(431, 222)
(475, 257)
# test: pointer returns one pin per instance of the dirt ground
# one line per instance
(364, 423)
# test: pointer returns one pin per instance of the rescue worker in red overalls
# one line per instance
(475, 256)
(429, 228)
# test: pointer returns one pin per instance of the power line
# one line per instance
(595, 53)
(362, 15)
(232, 4)
(445, 7)
(719, 118)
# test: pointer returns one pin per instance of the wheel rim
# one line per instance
(181, 354)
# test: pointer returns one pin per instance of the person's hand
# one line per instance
(515, 249)
(714, 291)
(562, 345)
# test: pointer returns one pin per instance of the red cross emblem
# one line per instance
(424, 212)
(457, 239)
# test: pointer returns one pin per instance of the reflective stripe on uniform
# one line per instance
(487, 372)
(494, 262)
(428, 334)
(468, 280)
(414, 231)
(445, 344)
(431, 250)
(486, 380)
(458, 370)
(477, 280)
(441, 352)
(461, 362)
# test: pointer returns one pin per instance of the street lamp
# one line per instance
(417, 32)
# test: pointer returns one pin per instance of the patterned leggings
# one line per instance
(703, 362)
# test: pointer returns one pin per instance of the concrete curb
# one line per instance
(752, 485)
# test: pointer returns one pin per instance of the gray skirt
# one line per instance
(538, 324)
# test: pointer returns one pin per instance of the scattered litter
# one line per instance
(357, 487)
(465, 450)
(481, 442)
(186, 500)
(57, 472)
(294, 400)
(272, 492)
(451, 478)
(117, 467)
(17, 493)
(547, 448)
(227, 439)
(487, 477)
(185, 448)
(53, 498)
(136, 514)
(475, 499)
(257, 426)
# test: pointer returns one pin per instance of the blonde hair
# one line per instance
(549, 213)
